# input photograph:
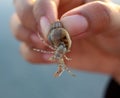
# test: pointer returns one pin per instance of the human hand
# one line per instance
(94, 27)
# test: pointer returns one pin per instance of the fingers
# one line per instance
(31, 11)
(53, 9)
(47, 8)
(66, 5)
(95, 17)
(24, 9)
(19, 30)
(32, 56)
(25, 35)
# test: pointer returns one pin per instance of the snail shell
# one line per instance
(58, 35)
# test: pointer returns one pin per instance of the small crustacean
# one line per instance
(60, 43)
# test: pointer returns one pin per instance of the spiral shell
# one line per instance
(58, 35)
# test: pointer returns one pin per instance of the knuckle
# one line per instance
(15, 25)
(24, 10)
(99, 13)
(17, 32)
(101, 7)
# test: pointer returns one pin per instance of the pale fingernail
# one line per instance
(75, 24)
(45, 25)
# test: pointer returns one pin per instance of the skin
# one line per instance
(94, 27)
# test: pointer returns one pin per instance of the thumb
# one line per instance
(94, 17)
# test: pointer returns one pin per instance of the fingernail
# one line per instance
(75, 24)
(45, 25)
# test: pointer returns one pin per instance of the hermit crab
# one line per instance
(60, 43)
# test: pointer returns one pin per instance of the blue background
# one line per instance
(19, 79)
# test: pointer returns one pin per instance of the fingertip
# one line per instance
(97, 13)
(75, 24)
(32, 56)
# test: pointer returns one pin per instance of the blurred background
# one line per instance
(19, 79)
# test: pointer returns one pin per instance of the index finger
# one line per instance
(30, 11)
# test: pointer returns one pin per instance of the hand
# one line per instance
(94, 27)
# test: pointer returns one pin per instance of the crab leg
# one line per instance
(44, 42)
(59, 71)
(43, 51)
